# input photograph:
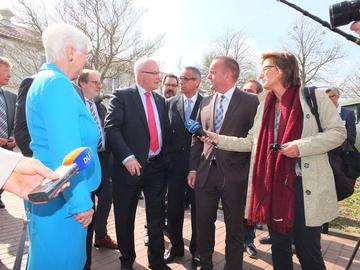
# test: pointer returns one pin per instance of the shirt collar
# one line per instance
(339, 108)
(141, 90)
(193, 98)
(228, 94)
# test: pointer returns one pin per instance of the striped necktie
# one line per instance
(92, 108)
(3, 117)
(219, 114)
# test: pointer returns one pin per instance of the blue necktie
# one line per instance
(188, 109)
(219, 114)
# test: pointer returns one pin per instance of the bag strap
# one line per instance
(310, 98)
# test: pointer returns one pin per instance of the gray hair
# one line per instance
(140, 63)
(57, 37)
(195, 72)
(335, 90)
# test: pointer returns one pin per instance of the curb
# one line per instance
(342, 234)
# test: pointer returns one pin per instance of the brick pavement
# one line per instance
(336, 250)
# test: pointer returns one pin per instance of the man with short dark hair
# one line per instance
(90, 84)
(181, 108)
(253, 86)
(7, 110)
(170, 83)
(217, 174)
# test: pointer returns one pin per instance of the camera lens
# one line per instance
(344, 12)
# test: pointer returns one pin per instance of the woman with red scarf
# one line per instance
(291, 185)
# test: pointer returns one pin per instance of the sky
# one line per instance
(190, 26)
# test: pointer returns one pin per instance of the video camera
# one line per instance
(344, 12)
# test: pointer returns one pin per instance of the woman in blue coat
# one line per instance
(58, 123)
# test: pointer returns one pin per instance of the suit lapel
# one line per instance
(234, 102)
(212, 112)
(139, 108)
(180, 107)
(196, 107)
(160, 110)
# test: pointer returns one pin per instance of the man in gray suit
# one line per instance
(7, 110)
(219, 174)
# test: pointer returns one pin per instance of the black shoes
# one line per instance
(170, 256)
(265, 240)
(195, 263)
(159, 267)
(251, 250)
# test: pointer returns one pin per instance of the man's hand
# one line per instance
(133, 166)
(356, 27)
(85, 217)
(3, 142)
(27, 175)
(290, 150)
(11, 143)
(191, 179)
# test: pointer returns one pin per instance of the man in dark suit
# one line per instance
(219, 174)
(21, 132)
(181, 108)
(7, 110)
(347, 115)
(89, 83)
(137, 126)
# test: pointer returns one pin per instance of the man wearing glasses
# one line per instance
(169, 85)
(347, 115)
(89, 82)
(181, 108)
(137, 126)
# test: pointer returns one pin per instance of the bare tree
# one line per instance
(351, 86)
(234, 44)
(111, 26)
(316, 59)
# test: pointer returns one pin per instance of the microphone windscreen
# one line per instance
(81, 156)
(192, 126)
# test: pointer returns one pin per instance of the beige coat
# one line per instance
(320, 201)
(8, 161)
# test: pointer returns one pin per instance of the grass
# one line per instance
(349, 219)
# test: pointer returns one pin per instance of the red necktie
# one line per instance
(154, 140)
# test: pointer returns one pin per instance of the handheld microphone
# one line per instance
(75, 161)
(196, 129)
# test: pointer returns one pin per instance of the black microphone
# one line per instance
(196, 129)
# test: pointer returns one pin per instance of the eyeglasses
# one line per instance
(155, 73)
(95, 82)
(183, 78)
(332, 96)
(170, 85)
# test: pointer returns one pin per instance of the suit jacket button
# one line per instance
(307, 116)
(306, 165)
(307, 192)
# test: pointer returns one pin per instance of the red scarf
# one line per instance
(273, 184)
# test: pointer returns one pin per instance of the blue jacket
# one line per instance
(348, 116)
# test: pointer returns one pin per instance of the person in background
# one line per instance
(89, 82)
(254, 87)
(170, 84)
(347, 115)
(292, 187)
(7, 110)
(181, 108)
(58, 123)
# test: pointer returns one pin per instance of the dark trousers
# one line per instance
(126, 196)
(207, 199)
(306, 240)
(249, 234)
(175, 212)
(100, 218)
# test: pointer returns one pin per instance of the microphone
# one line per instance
(196, 129)
(77, 160)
